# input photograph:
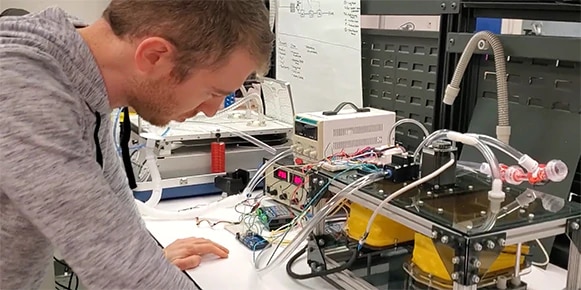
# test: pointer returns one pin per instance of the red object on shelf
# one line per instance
(218, 155)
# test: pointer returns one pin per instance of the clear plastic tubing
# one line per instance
(437, 135)
(151, 163)
(467, 140)
(240, 134)
(248, 98)
(408, 121)
(257, 176)
(528, 163)
(320, 217)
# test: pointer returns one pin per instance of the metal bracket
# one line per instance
(450, 247)
(317, 182)
(315, 256)
(573, 231)
(574, 265)
(490, 246)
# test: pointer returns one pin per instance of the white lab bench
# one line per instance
(238, 272)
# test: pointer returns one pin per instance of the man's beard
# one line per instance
(153, 101)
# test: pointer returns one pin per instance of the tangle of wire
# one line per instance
(290, 226)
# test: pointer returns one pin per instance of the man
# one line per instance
(61, 182)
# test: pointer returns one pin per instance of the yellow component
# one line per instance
(427, 258)
(384, 232)
(122, 115)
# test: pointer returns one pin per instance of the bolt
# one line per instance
(315, 180)
(380, 191)
(453, 5)
(470, 187)
(529, 195)
(434, 234)
(451, 190)
(522, 211)
(436, 186)
(502, 242)
(440, 210)
(531, 216)
(321, 183)
(468, 227)
(477, 247)
(443, 5)
(429, 193)
(490, 244)
(456, 260)
(420, 202)
(321, 242)
(575, 226)
(320, 268)
(451, 40)
(476, 263)
(455, 276)
(475, 279)
(405, 184)
(444, 239)
(507, 189)
(483, 213)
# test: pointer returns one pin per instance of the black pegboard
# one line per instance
(399, 71)
(545, 111)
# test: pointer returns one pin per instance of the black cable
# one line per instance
(125, 133)
(296, 276)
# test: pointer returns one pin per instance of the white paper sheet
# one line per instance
(319, 52)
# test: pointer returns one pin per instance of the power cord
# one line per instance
(338, 269)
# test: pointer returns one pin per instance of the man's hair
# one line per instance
(204, 32)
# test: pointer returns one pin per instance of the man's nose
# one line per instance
(209, 108)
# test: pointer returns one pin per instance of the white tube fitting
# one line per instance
(496, 194)
(462, 138)
(485, 169)
(450, 95)
(528, 163)
(503, 134)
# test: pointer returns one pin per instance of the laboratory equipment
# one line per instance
(321, 135)
(239, 137)
(436, 234)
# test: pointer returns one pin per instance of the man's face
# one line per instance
(159, 99)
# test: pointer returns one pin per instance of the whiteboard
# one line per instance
(319, 52)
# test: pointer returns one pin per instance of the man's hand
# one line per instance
(187, 253)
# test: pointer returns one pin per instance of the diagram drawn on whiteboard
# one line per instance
(309, 8)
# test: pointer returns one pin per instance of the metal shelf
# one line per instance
(538, 47)
(409, 7)
(549, 11)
